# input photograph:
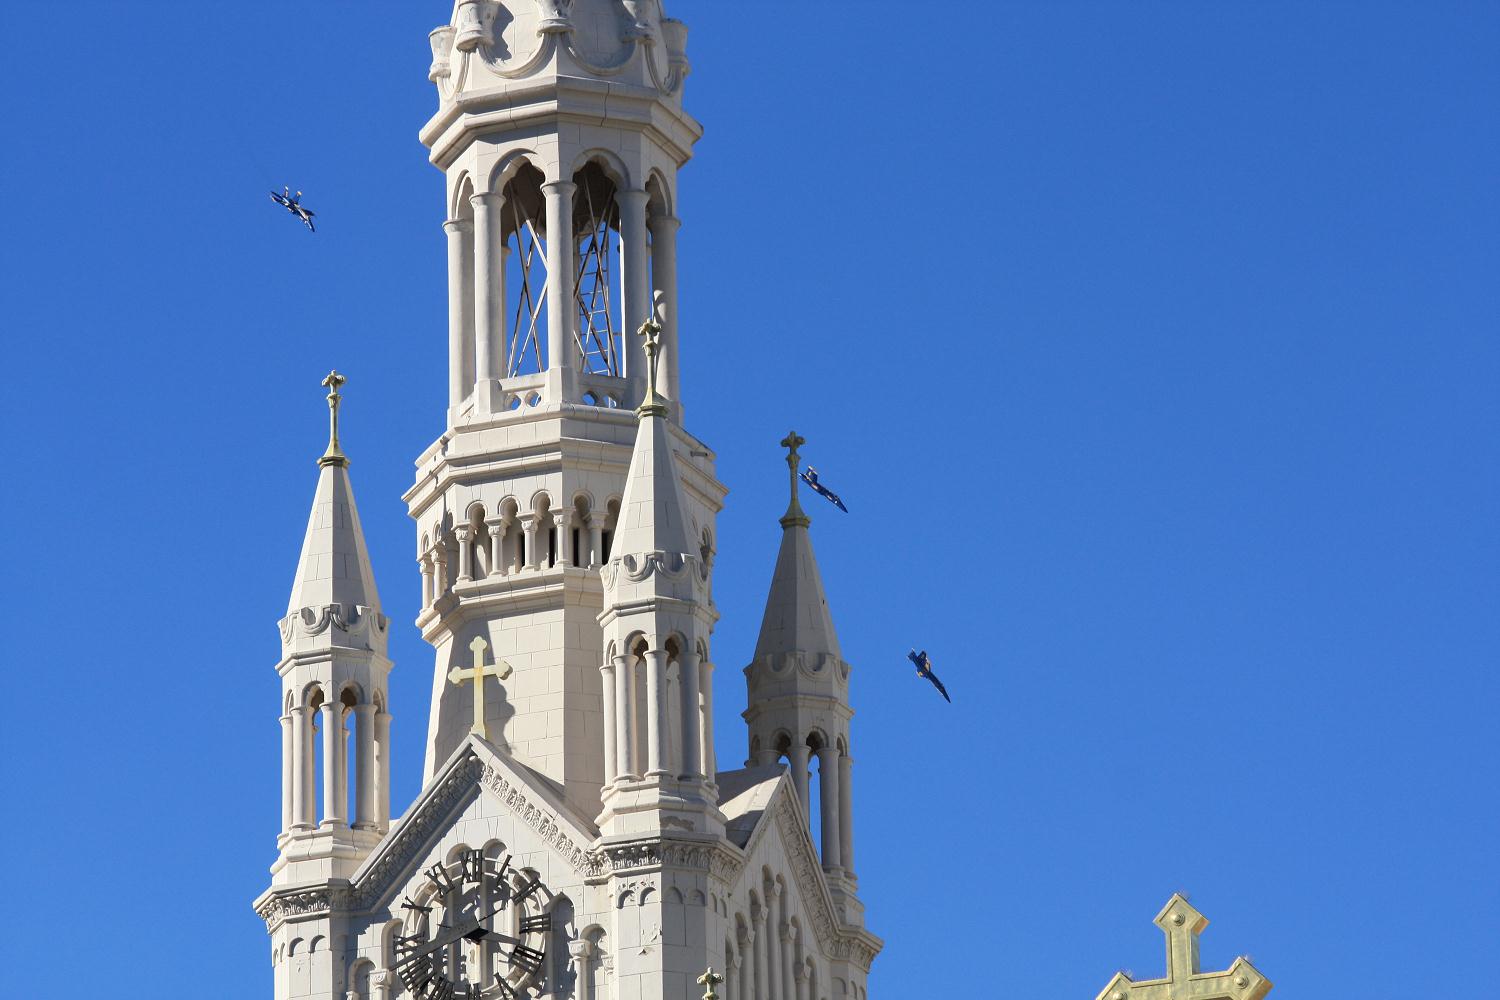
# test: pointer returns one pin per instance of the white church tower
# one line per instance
(574, 838)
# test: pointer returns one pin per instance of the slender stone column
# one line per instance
(625, 717)
(439, 570)
(489, 287)
(706, 684)
(528, 529)
(465, 533)
(288, 774)
(364, 774)
(635, 262)
(664, 276)
(425, 563)
(380, 984)
(762, 956)
(583, 984)
(383, 771)
(657, 724)
(562, 526)
(846, 816)
(801, 976)
(458, 231)
(611, 707)
(772, 935)
(308, 739)
(788, 984)
(798, 754)
(334, 792)
(767, 758)
(692, 717)
(497, 545)
(828, 782)
(301, 744)
(562, 313)
(596, 542)
(731, 973)
(743, 989)
(750, 961)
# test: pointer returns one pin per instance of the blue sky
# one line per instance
(1153, 345)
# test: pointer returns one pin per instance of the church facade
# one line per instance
(575, 836)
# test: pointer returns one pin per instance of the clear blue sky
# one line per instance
(1153, 345)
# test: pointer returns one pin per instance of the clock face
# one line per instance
(475, 930)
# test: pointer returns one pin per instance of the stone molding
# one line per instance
(354, 619)
(541, 821)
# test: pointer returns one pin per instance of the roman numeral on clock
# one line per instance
(439, 877)
(405, 945)
(527, 891)
(527, 958)
(541, 923)
(506, 990)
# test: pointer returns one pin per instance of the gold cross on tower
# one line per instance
(709, 980)
(500, 670)
(1182, 925)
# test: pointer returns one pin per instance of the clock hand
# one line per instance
(442, 941)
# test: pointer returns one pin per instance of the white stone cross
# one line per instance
(1182, 925)
(709, 980)
(458, 675)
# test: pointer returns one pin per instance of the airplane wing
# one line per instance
(939, 685)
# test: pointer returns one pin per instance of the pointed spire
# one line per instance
(797, 619)
(334, 568)
(653, 514)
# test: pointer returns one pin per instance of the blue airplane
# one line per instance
(810, 477)
(924, 669)
(293, 203)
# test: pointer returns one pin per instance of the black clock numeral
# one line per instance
(527, 891)
(438, 989)
(506, 990)
(541, 923)
(499, 873)
(407, 904)
(439, 877)
(406, 945)
(527, 958)
(472, 866)
(416, 975)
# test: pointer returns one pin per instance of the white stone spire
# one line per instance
(797, 619)
(657, 620)
(798, 687)
(334, 672)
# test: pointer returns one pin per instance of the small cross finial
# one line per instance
(654, 403)
(794, 514)
(333, 456)
(709, 980)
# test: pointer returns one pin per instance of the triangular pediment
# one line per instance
(478, 785)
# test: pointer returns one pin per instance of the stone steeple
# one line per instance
(657, 620)
(798, 686)
(334, 672)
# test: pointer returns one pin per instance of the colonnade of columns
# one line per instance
(835, 800)
(372, 767)
(510, 545)
(766, 961)
(479, 307)
(638, 724)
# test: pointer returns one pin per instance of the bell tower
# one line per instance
(560, 132)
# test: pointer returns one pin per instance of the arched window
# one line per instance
(523, 227)
(596, 225)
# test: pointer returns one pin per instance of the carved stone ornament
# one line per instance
(474, 22)
(442, 47)
(302, 902)
(557, 15)
(545, 825)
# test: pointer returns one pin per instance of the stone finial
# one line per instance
(333, 456)
(654, 403)
(1182, 924)
(794, 515)
(708, 981)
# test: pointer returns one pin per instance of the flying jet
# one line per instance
(810, 477)
(293, 203)
(924, 669)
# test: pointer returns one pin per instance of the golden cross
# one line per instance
(333, 380)
(653, 403)
(1185, 980)
(500, 670)
(794, 513)
(710, 979)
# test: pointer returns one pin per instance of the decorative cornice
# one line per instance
(543, 822)
(712, 857)
(415, 832)
(279, 905)
(637, 567)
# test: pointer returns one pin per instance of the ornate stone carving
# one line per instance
(297, 903)
(414, 833)
(541, 821)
